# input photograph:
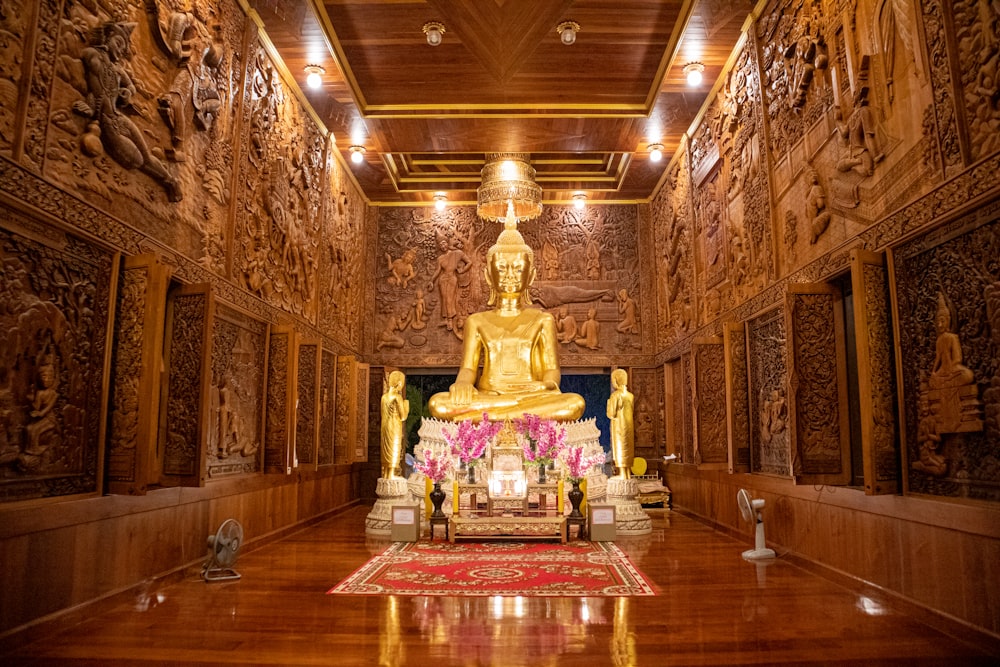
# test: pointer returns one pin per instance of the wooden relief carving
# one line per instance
(140, 110)
(360, 410)
(675, 293)
(185, 421)
(977, 37)
(647, 387)
(133, 455)
(940, 120)
(877, 386)
(817, 407)
(14, 22)
(687, 389)
(343, 445)
(948, 308)
(711, 447)
(307, 421)
(39, 106)
(769, 440)
(53, 328)
(282, 384)
(430, 278)
(236, 394)
(674, 407)
(712, 231)
(327, 408)
(737, 398)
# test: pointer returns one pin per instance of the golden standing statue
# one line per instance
(516, 344)
(622, 432)
(395, 410)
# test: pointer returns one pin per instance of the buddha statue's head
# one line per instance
(510, 264)
(619, 378)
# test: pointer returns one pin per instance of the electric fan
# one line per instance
(752, 510)
(222, 550)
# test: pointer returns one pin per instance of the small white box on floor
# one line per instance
(405, 523)
(601, 526)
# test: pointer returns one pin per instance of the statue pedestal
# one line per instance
(390, 492)
(630, 518)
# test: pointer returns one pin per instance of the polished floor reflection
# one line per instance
(711, 608)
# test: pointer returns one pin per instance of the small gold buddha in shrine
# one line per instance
(516, 344)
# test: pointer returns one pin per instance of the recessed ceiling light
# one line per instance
(314, 75)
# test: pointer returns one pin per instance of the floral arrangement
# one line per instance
(543, 439)
(577, 464)
(434, 468)
(470, 440)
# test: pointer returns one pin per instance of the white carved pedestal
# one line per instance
(630, 518)
(390, 492)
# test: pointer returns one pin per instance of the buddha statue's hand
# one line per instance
(461, 393)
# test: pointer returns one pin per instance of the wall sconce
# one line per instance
(440, 201)
(434, 30)
(357, 154)
(655, 152)
(579, 201)
(693, 73)
(567, 31)
(314, 75)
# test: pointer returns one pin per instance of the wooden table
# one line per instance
(505, 527)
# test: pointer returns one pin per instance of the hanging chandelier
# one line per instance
(508, 178)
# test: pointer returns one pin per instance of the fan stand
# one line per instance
(760, 551)
(220, 574)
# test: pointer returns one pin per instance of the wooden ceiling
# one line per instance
(501, 80)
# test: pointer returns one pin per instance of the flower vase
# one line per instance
(437, 499)
(575, 499)
(472, 474)
(541, 473)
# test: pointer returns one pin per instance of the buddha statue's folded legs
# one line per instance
(551, 404)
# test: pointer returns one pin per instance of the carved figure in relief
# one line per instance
(550, 261)
(566, 326)
(774, 415)
(947, 370)
(593, 260)
(590, 331)
(109, 94)
(517, 346)
(390, 334)
(626, 308)
(791, 232)
(816, 213)
(418, 321)
(860, 144)
(401, 270)
(451, 264)
(619, 411)
(42, 432)
(229, 421)
(801, 60)
(740, 263)
(553, 296)
(395, 410)
(931, 460)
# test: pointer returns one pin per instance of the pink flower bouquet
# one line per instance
(433, 467)
(469, 441)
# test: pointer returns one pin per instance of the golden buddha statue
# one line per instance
(395, 410)
(516, 344)
(620, 407)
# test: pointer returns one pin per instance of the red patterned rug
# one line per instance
(498, 568)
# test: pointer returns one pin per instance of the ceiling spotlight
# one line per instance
(567, 31)
(655, 152)
(440, 200)
(314, 75)
(693, 73)
(357, 154)
(434, 30)
(579, 201)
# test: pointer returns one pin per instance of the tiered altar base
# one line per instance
(390, 492)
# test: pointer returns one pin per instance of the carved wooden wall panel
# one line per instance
(673, 381)
(646, 384)
(56, 292)
(675, 300)
(137, 373)
(947, 305)
(327, 408)
(18, 17)
(818, 417)
(737, 398)
(769, 439)
(307, 423)
(430, 278)
(687, 391)
(359, 408)
(236, 394)
(877, 384)
(711, 448)
(282, 388)
(346, 375)
(185, 419)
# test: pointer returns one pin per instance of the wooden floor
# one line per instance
(712, 608)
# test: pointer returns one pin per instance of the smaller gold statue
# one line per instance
(395, 410)
(622, 432)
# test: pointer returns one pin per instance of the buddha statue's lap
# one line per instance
(549, 404)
